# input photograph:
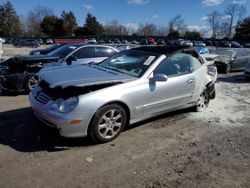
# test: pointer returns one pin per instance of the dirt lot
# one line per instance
(180, 149)
(9, 50)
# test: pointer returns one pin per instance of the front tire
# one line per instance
(108, 122)
(31, 82)
(203, 101)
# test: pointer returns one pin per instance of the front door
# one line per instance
(176, 91)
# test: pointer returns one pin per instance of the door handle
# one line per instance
(190, 80)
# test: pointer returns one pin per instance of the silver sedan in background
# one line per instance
(230, 59)
(99, 100)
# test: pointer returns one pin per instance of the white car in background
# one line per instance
(49, 41)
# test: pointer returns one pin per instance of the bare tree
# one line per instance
(161, 30)
(214, 21)
(241, 13)
(33, 20)
(234, 11)
(147, 29)
(175, 23)
(110, 28)
(114, 28)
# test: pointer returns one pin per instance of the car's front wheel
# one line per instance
(203, 101)
(108, 122)
(31, 82)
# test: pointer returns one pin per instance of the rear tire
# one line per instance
(202, 102)
(107, 123)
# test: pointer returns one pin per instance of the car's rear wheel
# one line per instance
(203, 101)
(31, 82)
(108, 122)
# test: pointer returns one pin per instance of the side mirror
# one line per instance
(70, 59)
(159, 78)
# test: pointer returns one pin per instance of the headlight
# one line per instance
(65, 105)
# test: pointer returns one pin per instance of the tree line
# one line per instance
(41, 22)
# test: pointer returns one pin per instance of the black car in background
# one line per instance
(44, 51)
(26, 42)
(18, 73)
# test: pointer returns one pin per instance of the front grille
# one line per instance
(40, 95)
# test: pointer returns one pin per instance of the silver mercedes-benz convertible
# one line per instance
(99, 100)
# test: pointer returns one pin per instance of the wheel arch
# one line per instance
(122, 104)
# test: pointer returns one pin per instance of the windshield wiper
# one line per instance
(112, 68)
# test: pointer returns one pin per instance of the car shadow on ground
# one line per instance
(12, 93)
(233, 78)
(169, 117)
(20, 130)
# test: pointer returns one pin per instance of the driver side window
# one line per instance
(175, 65)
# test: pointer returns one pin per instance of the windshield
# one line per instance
(62, 51)
(133, 63)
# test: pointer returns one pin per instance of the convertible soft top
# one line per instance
(166, 50)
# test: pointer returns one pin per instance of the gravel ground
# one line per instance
(179, 149)
(9, 50)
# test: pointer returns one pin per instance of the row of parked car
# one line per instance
(226, 59)
(97, 90)
(19, 73)
(34, 43)
(146, 41)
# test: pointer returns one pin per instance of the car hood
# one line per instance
(65, 76)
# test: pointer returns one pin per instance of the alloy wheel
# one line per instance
(203, 101)
(110, 124)
(32, 82)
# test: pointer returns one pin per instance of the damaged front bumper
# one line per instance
(64, 122)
